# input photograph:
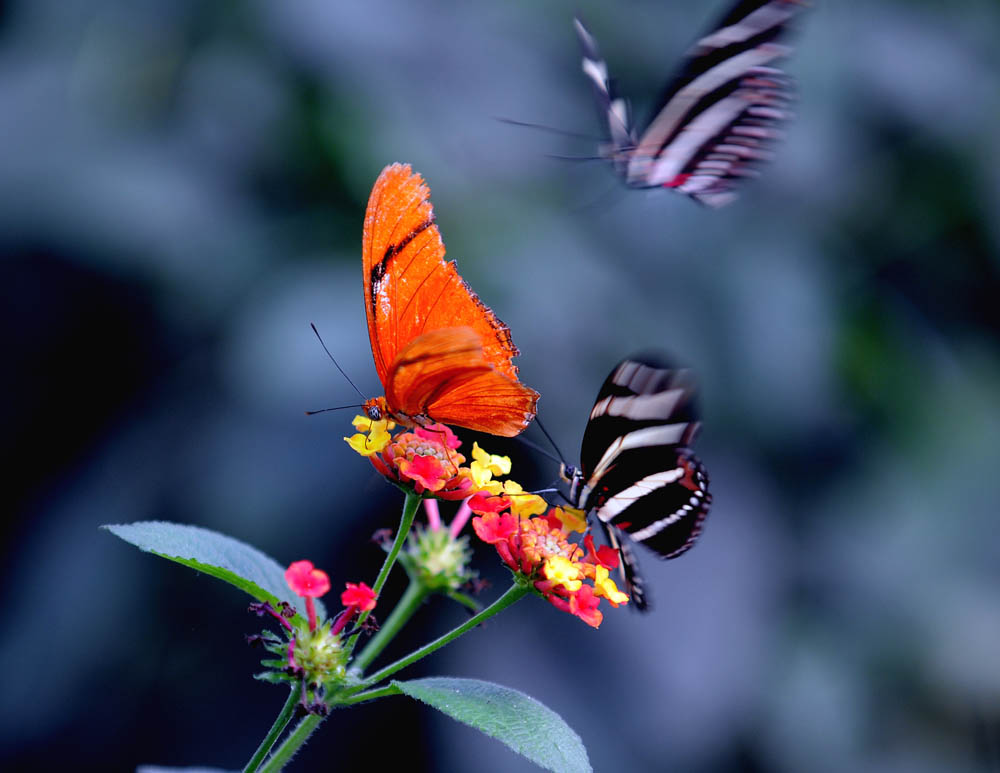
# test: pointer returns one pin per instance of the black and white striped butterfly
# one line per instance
(720, 114)
(637, 473)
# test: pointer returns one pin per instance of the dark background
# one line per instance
(182, 186)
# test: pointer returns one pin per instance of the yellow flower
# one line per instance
(378, 436)
(523, 505)
(605, 586)
(485, 466)
(497, 465)
(564, 572)
(571, 518)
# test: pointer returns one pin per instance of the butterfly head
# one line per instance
(568, 472)
(376, 409)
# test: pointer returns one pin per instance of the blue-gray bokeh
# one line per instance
(181, 192)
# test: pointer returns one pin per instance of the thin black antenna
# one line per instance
(360, 393)
(599, 201)
(551, 129)
(554, 488)
(546, 433)
(537, 447)
(338, 408)
(558, 157)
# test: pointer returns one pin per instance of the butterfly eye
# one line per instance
(567, 473)
(374, 413)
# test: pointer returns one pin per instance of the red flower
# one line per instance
(494, 527)
(307, 581)
(356, 599)
(439, 433)
(358, 595)
(605, 555)
(310, 583)
(538, 551)
(483, 504)
(426, 460)
(425, 471)
(584, 605)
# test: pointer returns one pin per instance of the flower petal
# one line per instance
(305, 580)
(358, 595)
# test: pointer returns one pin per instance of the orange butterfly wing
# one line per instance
(439, 350)
(444, 374)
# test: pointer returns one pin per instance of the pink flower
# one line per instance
(307, 581)
(359, 596)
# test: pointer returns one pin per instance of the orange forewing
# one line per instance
(439, 351)
(443, 374)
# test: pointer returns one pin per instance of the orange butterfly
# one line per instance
(441, 353)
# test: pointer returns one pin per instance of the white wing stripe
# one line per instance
(675, 110)
(623, 499)
(597, 72)
(663, 435)
(693, 137)
(657, 526)
(765, 18)
(639, 407)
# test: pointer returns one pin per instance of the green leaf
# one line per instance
(521, 722)
(273, 677)
(216, 554)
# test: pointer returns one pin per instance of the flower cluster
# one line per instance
(423, 460)
(313, 654)
(539, 552)
(531, 538)
(437, 555)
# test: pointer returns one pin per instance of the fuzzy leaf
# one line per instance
(216, 554)
(521, 722)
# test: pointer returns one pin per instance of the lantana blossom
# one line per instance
(371, 436)
(314, 654)
(310, 583)
(437, 555)
(538, 550)
(484, 466)
(359, 596)
(423, 459)
(530, 536)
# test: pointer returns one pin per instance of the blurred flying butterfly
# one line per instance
(719, 115)
(637, 473)
(441, 354)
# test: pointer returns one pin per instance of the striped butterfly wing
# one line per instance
(637, 473)
(611, 107)
(721, 114)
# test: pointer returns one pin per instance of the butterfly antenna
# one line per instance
(338, 408)
(598, 203)
(551, 129)
(333, 359)
(545, 432)
(542, 451)
(553, 488)
(558, 157)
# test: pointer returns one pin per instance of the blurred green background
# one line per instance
(182, 186)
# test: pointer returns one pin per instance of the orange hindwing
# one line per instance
(440, 352)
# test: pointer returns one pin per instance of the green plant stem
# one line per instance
(405, 522)
(414, 596)
(465, 600)
(291, 744)
(371, 695)
(515, 593)
(276, 729)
